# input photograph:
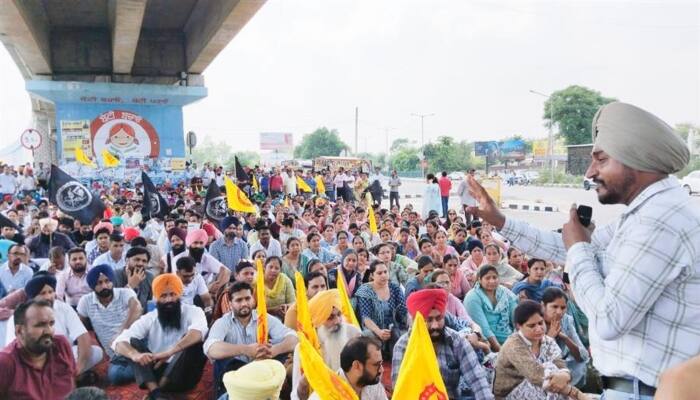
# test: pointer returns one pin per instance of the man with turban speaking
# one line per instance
(109, 310)
(165, 346)
(67, 323)
(450, 347)
(214, 272)
(332, 329)
(636, 279)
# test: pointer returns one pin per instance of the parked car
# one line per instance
(691, 182)
(456, 176)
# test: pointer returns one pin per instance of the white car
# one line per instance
(456, 176)
(691, 182)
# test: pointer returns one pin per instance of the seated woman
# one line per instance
(442, 248)
(425, 268)
(258, 255)
(315, 251)
(441, 278)
(561, 328)
(506, 274)
(382, 308)
(529, 365)
(533, 286)
(279, 291)
(473, 262)
(341, 243)
(460, 286)
(397, 272)
(459, 243)
(291, 260)
(363, 259)
(348, 267)
(491, 305)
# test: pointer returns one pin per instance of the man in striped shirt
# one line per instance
(637, 279)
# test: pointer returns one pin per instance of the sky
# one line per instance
(302, 64)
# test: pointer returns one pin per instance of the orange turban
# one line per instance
(425, 300)
(167, 282)
(321, 306)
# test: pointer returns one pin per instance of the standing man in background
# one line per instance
(465, 197)
(445, 186)
(394, 183)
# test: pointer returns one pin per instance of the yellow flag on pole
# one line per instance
(419, 356)
(303, 186)
(304, 325)
(262, 329)
(236, 199)
(326, 383)
(320, 186)
(370, 215)
(286, 201)
(346, 307)
(83, 159)
(255, 184)
(109, 159)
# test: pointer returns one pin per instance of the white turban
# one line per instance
(258, 380)
(638, 139)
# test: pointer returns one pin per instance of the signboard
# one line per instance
(539, 148)
(74, 134)
(277, 141)
(191, 140)
(177, 164)
(507, 149)
(30, 139)
(485, 149)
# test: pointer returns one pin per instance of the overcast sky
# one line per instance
(300, 64)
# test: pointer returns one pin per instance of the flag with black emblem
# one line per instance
(154, 205)
(241, 175)
(74, 198)
(215, 203)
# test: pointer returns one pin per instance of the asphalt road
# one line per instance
(561, 197)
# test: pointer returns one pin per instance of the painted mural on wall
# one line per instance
(124, 134)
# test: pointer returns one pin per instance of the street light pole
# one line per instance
(550, 145)
(422, 138)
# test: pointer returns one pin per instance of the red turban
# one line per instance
(130, 233)
(426, 300)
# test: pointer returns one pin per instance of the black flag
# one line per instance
(215, 206)
(74, 198)
(154, 205)
(241, 175)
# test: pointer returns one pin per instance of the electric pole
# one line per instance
(422, 139)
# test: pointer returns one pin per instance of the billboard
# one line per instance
(508, 149)
(278, 141)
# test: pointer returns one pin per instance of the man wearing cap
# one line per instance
(457, 359)
(262, 379)
(47, 238)
(115, 257)
(72, 282)
(134, 275)
(14, 274)
(232, 341)
(229, 249)
(636, 279)
(165, 345)
(211, 269)
(109, 310)
(67, 323)
(100, 244)
(333, 332)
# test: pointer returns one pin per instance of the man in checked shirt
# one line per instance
(638, 278)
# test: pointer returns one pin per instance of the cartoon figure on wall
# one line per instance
(124, 134)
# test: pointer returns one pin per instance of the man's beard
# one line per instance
(243, 312)
(45, 238)
(78, 269)
(614, 195)
(230, 235)
(41, 345)
(105, 293)
(178, 249)
(197, 253)
(440, 334)
(367, 379)
(169, 314)
(332, 342)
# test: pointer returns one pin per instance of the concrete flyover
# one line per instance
(164, 42)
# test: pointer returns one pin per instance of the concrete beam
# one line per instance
(24, 30)
(211, 26)
(125, 20)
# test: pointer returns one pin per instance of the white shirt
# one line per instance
(209, 265)
(198, 287)
(67, 323)
(290, 184)
(8, 184)
(27, 183)
(148, 327)
(106, 258)
(273, 249)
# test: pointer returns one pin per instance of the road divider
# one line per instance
(529, 206)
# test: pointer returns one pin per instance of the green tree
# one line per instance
(398, 143)
(246, 158)
(572, 109)
(405, 159)
(322, 142)
(448, 155)
(378, 159)
(685, 127)
(212, 152)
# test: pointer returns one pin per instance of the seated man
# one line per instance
(245, 272)
(115, 256)
(14, 274)
(135, 277)
(72, 283)
(232, 341)
(37, 357)
(109, 311)
(455, 356)
(67, 323)
(214, 272)
(165, 345)
(100, 244)
(333, 332)
(196, 291)
(360, 366)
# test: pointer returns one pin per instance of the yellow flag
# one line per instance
(83, 159)
(304, 325)
(320, 186)
(109, 159)
(326, 383)
(256, 185)
(286, 201)
(419, 356)
(346, 307)
(262, 304)
(370, 215)
(303, 186)
(236, 199)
